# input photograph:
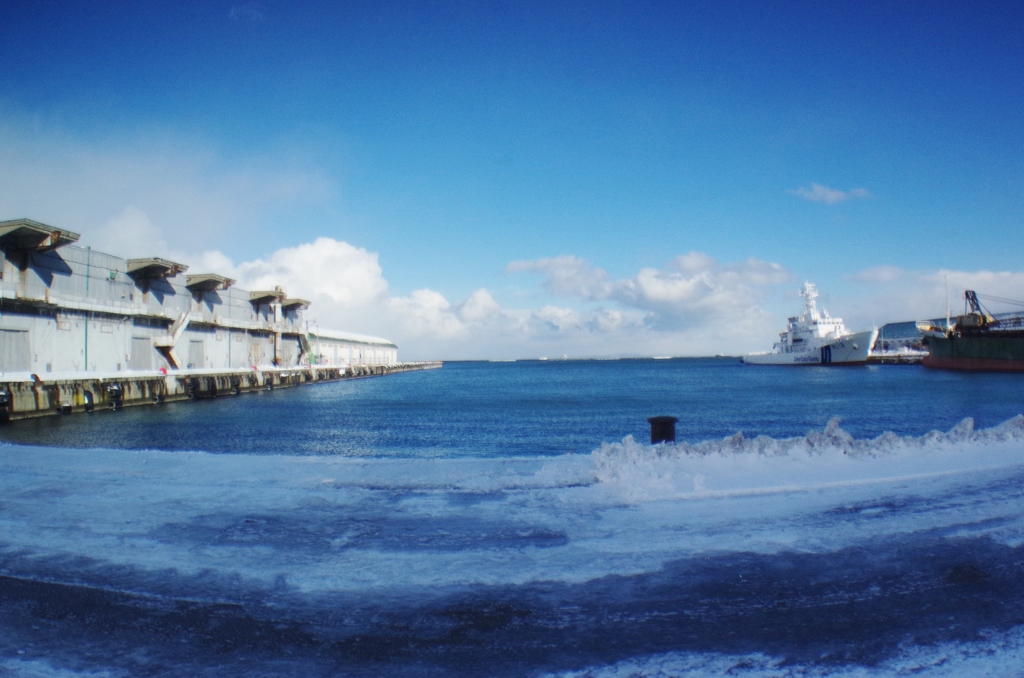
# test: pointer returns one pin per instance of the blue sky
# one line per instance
(504, 179)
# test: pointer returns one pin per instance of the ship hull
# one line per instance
(981, 352)
(853, 349)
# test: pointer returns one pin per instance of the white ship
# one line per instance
(815, 338)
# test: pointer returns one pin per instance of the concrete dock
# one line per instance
(23, 395)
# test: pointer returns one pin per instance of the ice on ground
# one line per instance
(996, 655)
(820, 459)
(669, 546)
(344, 523)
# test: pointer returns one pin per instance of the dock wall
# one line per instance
(32, 396)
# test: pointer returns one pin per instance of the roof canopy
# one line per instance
(25, 234)
(300, 304)
(265, 296)
(350, 337)
(206, 282)
(153, 268)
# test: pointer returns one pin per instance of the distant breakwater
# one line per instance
(26, 396)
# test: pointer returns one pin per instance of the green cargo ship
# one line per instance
(977, 341)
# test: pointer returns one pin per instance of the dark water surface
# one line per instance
(480, 409)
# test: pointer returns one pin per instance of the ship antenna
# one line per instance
(947, 301)
(810, 293)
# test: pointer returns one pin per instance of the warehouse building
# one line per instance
(66, 308)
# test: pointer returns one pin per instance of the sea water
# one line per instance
(511, 519)
(542, 408)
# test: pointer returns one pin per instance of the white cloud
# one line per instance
(609, 321)
(830, 196)
(694, 289)
(349, 276)
(479, 306)
(211, 261)
(693, 306)
(426, 313)
(133, 234)
(179, 185)
(562, 319)
(130, 234)
(891, 294)
(566, 275)
(693, 263)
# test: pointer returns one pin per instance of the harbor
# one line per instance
(977, 340)
(816, 338)
(82, 330)
(294, 529)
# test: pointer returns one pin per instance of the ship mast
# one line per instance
(947, 302)
(810, 293)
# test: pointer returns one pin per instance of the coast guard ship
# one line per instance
(815, 338)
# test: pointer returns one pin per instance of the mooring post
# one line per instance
(663, 429)
(5, 405)
(115, 396)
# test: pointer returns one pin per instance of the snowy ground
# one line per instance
(812, 556)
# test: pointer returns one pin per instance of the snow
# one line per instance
(402, 530)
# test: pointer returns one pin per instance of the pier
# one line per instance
(896, 358)
(24, 396)
(82, 330)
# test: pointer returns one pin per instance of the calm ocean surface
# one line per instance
(480, 409)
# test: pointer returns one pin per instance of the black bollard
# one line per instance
(663, 429)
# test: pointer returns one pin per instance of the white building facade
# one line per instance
(66, 308)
